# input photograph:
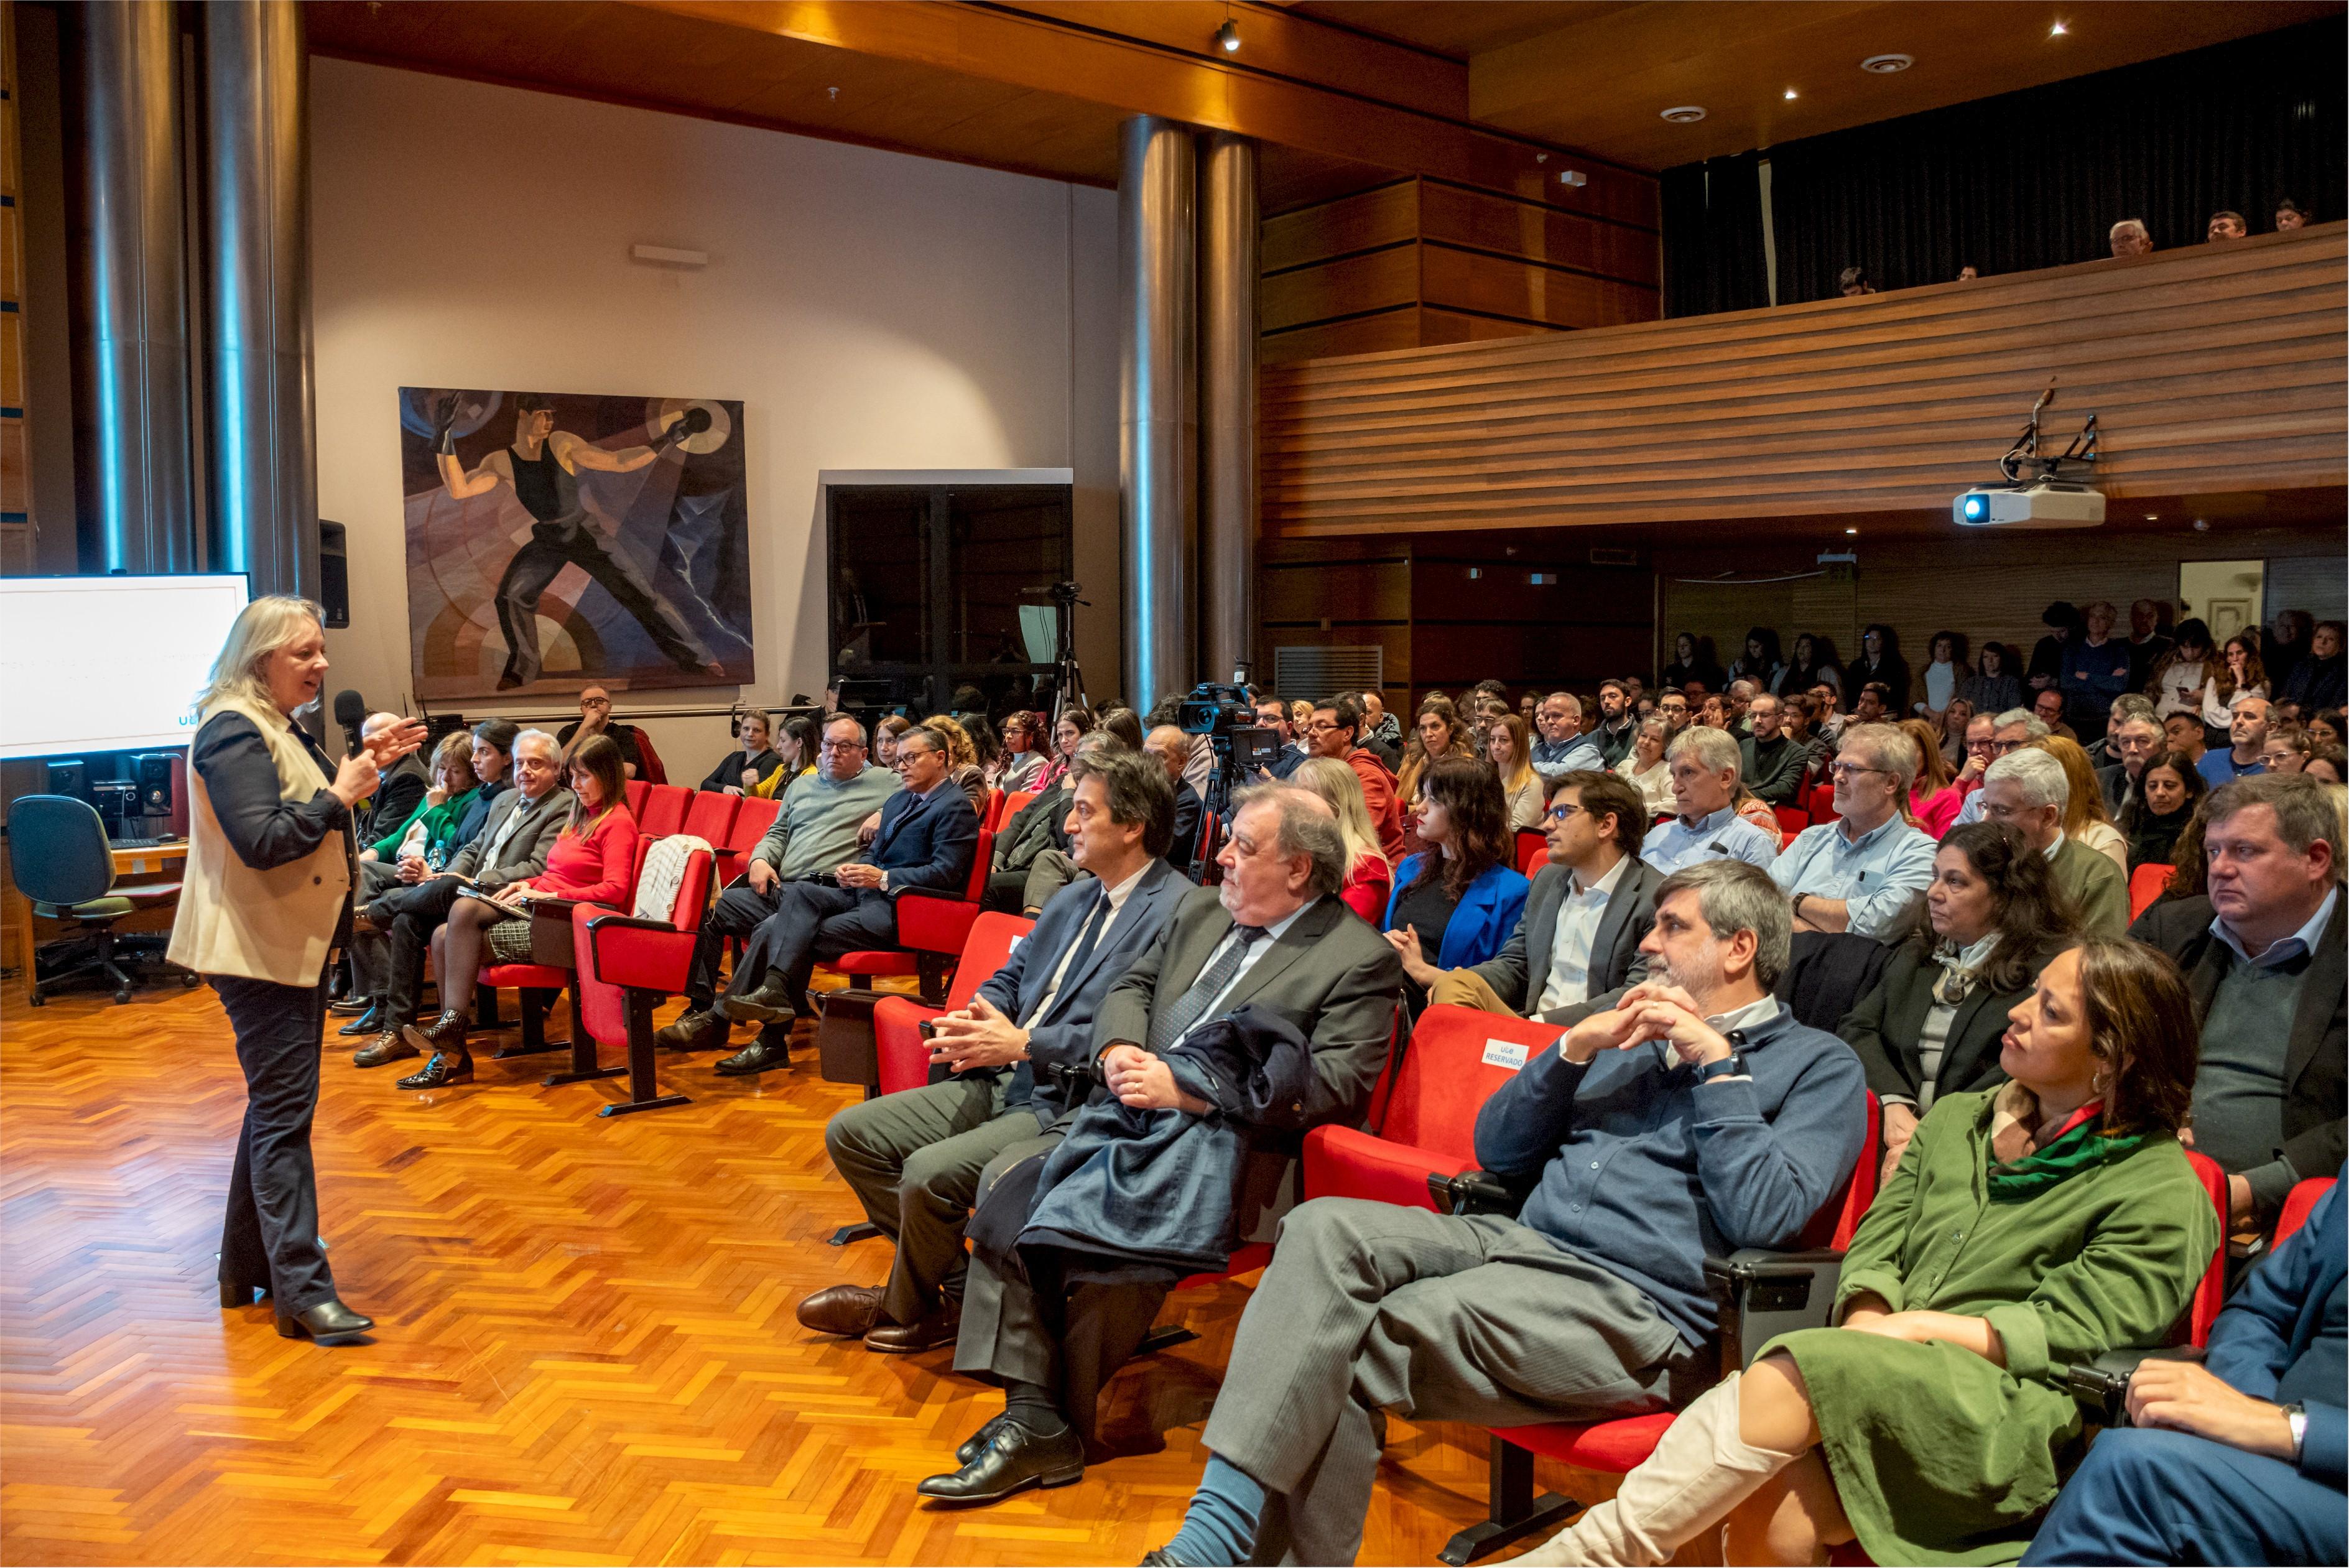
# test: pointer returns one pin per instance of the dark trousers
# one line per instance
(270, 1235)
(416, 913)
(1069, 1339)
(738, 912)
(2146, 1495)
(812, 922)
(572, 542)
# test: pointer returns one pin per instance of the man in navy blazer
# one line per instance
(928, 837)
(2241, 1459)
(1010, 1069)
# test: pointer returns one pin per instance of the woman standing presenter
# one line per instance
(267, 896)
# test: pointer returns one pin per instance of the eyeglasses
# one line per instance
(2003, 747)
(842, 746)
(595, 701)
(1853, 770)
(1563, 811)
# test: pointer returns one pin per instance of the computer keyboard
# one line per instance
(139, 843)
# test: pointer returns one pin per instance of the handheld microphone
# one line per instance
(350, 712)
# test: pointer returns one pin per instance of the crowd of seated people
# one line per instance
(1120, 1105)
(2129, 237)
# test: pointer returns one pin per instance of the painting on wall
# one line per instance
(555, 539)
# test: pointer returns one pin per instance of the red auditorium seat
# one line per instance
(711, 816)
(640, 792)
(1533, 851)
(2146, 884)
(540, 983)
(1792, 820)
(751, 820)
(627, 964)
(931, 932)
(1823, 808)
(903, 1057)
(1012, 803)
(2297, 1203)
(664, 811)
(991, 818)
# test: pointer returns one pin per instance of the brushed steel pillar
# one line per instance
(1158, 419)
(131, 382)
(261, 458)
(1228, 336)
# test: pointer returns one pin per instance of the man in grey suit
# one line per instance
(514, 842)
(1006, 1065)
(1577, 946)
(1273, 935)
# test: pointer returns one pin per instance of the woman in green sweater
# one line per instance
(2029, 1228)
(441, 810)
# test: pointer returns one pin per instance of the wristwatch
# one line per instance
(1795, 908)
(2295, 1416)
(1729, 1066)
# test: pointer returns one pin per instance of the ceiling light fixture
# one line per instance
(1684, 114)
(1885, 65)
(1851, 530)
(1227, 37)
(1790, 92)
(2057, 31)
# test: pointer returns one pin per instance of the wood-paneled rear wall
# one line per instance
(2215, 369)
(1424, 260)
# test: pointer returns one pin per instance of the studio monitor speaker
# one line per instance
(334, 573)
(152, 771)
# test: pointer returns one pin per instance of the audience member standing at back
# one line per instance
(1879, 660)
(1994, 686)
(1693, 659)
(2064, 628)
(1760, 662)
(2096, 668)
(1814, 662)
(1946, 671)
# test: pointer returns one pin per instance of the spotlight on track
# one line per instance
(1227, 37)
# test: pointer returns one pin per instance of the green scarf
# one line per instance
(2084, 1148)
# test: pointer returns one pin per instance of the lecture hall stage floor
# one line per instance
(585, 1349)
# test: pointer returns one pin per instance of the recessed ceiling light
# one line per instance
(1851, 530)
(2056, 31)
(2153, 516)
(1885, 65)
(1790, 92)
(1684, 114)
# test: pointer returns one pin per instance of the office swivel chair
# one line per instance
(57, 854)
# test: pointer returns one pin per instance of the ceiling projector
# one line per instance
(2042, 506)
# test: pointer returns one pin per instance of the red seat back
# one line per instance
(619, 958)
(1533, 851)
(1456, 1059)
(1012, 804)
(1840, 1215)
(711, 816)
(987, 950)
(1823, 807)
(640, 792)
(992, 817)
(2146, 884)
(902, 1060)
(2298, 1202)
(2211, 1293)
(664, 811)
(1792, 820)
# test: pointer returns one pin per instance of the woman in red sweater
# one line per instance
(591, 863)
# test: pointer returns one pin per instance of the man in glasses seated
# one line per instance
(1577, 946)
(1864, 871)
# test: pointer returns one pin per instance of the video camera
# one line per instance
(1225, 716)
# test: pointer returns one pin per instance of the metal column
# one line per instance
(131, 377)
(1227, 337)
(1158, 421)
(263, 455)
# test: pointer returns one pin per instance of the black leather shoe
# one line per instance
(976, 1444)
(329, 1322)
(703, 1029)
(757, 1056)
(369, 1021)
(344, 1006)
(440, 1071)
(845, 1310)
(444, 1034)
(237, 1296)
(1013, 1459)
(386, 1047)
(769, 1001)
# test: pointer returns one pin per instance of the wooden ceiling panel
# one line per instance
(1603, 82)
(1459, 28)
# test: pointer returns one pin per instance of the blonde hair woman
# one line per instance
(1511, 754)
(962, 759)
(1368, 875)
(2084, 816)
(266, 896)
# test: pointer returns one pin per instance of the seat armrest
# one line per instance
(2101, 1387)
(1480, 1192)
(1760, 1294)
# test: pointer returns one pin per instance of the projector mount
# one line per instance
(2072, 466)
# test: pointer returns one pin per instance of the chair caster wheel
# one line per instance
(121, 996)
(37, 1000)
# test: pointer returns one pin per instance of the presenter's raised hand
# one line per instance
(355, 779)
(389, 746)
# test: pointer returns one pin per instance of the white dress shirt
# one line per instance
(1117, 898)
(1578, 914)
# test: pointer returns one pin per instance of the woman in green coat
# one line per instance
(2027, 1229)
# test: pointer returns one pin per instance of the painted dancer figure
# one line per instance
(543, 465)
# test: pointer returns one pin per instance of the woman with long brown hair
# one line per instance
(1439, 732)
(593, 861)
(2084, 816)
(1934, 799)
(1457, 900)
(2237, 674)
(2029, 1228)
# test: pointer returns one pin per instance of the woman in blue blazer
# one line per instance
(1456, 901)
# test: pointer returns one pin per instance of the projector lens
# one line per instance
(1976, 505)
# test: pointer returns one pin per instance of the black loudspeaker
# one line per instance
(334, 573)
(152, 770)
(71, 778)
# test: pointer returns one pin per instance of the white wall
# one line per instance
(872, 310)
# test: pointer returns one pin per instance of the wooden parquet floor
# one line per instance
(586, 1350)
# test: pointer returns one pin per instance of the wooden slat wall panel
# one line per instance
(2215, 369)
(1471, 218)
(1455, 327)
(1395, 328)
(1527, 291)
(1386, 215)
(1344, 288)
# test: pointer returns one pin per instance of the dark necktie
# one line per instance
(1096, 918)
(1172, 1025)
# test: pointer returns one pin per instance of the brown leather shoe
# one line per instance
(845, 1310)
(936, 1328)
(390, 1045)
